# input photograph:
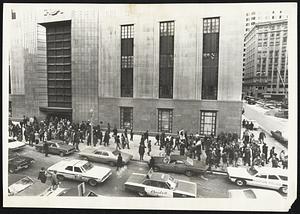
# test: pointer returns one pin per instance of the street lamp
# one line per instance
(92, 134)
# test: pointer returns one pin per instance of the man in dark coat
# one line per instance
(106, 138)
(46, 148)
(151, 163)
(261, 137)
(42, 175)
(119, 162)
(131, 134)
(265, 151)
(141, 151)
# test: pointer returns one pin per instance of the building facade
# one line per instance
(257, 16)
(146, 67)
(266, 65)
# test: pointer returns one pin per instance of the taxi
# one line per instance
(160, 185)
(266, 177)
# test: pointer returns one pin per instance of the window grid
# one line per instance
(58, 38)
(127, 31)
(165, 120)
(211, 25)
(126, 117)
(208, 122)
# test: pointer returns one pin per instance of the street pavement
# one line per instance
(268, 122)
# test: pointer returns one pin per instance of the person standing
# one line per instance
(146, 136)
(106, 138)
(142, 151)
(108, 128)
(117, 141)
(149, 147)
(54, 180)
(275, 161)
(36, 137)
(119, 161)
(46, 148)
(115, 131)
(261, 137)
(272, 152)
(265, 151)
(157, 139)
(131, 134)
(42, 175)
(151, 163)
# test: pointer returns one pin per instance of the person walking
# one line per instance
(272, 152)
(131, 134)
(119, 161)
(149, 147)
(275, 161)
(106, 138)
(265, 151)
(151, 163)
(54, 180)
(36, 137)
(46, 148)
(123, 141)
(142, 151)
(261, 137)
(146, 136)
(117, 141)
(42, 175)
(157, 139)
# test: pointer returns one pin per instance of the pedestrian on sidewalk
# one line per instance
(272, 152)
(46, 148)
(146, 136)
(106, 138)
(151, 163)
(149, 147)
(127, 142)
(117, 141)
(157, 139)
(142, 151)
(36, 137)
(262, 137)
(265, 151)
(115, 131)
(42, 175)
(108, 128)
(131, 134)
(123, 140)
(281, 156)
(54, 180)
(275, 161)
(119, 161)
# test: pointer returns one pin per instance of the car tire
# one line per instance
(188, 173)
(283, 190)
(240, 182)
(111, 163)
(155, 168)
(61, 154)
(142, 194)
(60, 177)
(92, 182)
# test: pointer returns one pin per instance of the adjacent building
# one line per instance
(146, 67)
(266, 64)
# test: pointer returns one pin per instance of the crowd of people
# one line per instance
(224, 150)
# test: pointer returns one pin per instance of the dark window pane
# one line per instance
(208, 123)
(126, 117)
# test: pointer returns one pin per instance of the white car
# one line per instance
(267, 177)
(254, 194)
(80, 170)
(14, 144)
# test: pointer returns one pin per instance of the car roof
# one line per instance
(159, 176)
(269, 170)
(73, 162)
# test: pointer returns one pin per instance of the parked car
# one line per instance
(278, 136)
(160, 185)
(179, 164)
(14, 145)
(17, 162)
(104, 155)
(21, 185)
(56, 147)
(81, 170)
(251, 101)
(267, 177)
(61, 191)
(254, 194)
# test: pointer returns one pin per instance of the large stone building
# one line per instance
(150, 67)
(266, 64)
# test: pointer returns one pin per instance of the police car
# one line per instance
(80, 170)
(160, 185)
(267, 177)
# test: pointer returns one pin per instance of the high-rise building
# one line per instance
(266, 64)
(133, 66)
(257, 16)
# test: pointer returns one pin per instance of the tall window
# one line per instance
(126, 117)
(58, 35)
(208, 122)
(165, 120)
(210, 58)
(127, 34)
(166, 59)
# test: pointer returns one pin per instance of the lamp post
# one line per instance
(92, 134)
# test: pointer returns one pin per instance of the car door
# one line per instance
(53, 148)
(105, 156)
(179, 167)
(168, 167)
(69, 173)
(260, 180)
(274, 182)
(152, 188)
(77, 173)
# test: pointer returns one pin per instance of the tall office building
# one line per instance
(134, 66)
(266, 64)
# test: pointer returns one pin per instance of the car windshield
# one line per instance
(87, 166)
(249, 194)
(172, 182)
(284, 178)
(252, 171)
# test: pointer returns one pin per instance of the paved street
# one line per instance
(216, 186)
(270, 123)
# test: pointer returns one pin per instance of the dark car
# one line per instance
(251, 101)
(56, 147)
(179, 164)
(17, 162)
(278, 136)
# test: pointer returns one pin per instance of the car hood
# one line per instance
(186, 187)
(15, 144)
(98, 172)
(238, 172)
(21, 159)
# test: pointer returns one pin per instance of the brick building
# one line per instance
(142, 66)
